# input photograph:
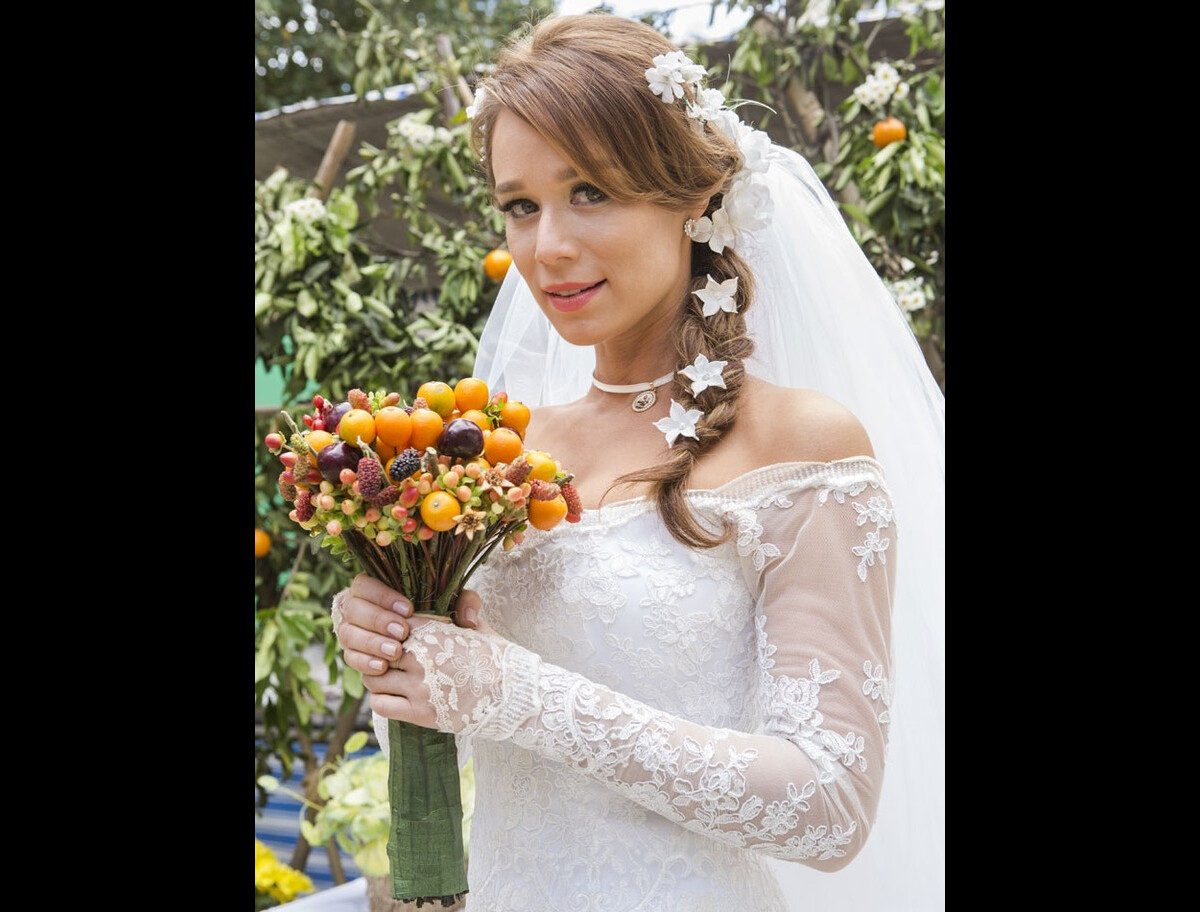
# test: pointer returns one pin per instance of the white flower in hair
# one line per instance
(704, 373)
(473, 107)
(755, 146)
(709, 104)
(747, 206)
(670, 73)
(680, 421)
(307, 210)
(718, 296)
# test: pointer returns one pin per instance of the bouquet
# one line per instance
(419, 495)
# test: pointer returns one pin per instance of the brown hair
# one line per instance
(580, 82)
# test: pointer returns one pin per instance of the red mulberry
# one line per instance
(359, 400)
(544, 490)
(571, 496)
(287, 490)
(370, 477)
(518, 471)
(386, 497)
(304, 506)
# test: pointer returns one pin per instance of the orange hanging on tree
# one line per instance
(262, 543)
(496, 264)
(888, 131)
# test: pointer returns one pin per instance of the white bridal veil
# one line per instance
(822, 319)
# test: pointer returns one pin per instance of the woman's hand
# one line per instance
(376, 620)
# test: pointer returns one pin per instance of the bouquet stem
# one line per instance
(426, 844)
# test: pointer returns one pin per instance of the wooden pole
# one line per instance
(335, 154)
(450, 104)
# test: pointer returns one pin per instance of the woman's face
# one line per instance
(601, 271)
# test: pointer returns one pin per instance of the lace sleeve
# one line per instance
(804, 786)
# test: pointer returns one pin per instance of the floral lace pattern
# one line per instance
(664, 719)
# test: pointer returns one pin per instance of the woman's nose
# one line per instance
(555, 238)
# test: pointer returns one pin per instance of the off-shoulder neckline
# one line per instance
(757, 481)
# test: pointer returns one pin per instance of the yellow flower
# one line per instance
(266, 872)
(261, 851)
(292, 882)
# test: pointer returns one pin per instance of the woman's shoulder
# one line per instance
(801, 425)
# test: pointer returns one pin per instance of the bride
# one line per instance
(723, 686)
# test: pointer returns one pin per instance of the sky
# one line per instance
(691, 20)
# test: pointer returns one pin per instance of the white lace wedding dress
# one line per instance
(660, 721)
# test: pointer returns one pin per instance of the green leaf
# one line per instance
(885, 154)
(355, 742)
(880, 201)
(857, 213)
(262, 659)
(354, 302)
(262, 302)
(309, 832)
(306, 304)
(270, 783)
(352, 683)
(315, 690)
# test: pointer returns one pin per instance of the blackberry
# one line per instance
(370, 477)
(404, 465)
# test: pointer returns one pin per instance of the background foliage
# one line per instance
(327, 308)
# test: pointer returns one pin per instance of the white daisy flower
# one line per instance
(306, 210)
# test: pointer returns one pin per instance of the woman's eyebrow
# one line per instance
(510, 186)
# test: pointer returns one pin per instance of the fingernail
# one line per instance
(376, 664)
(389, 649)
(396, 630)
(402, 607)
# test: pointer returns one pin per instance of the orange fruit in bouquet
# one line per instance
(357, 423)
(438, 510)
(496, 264)
(544, 468)
(318, 440)
(503, 445)
(262, 543)
(515, 415)
(385, 452)
(393, 426)
(438, 397)
(470, 393)
(426, 428)
(546, 514)
(480, 418)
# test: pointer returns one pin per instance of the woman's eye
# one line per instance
(518, 208)
(589, 194)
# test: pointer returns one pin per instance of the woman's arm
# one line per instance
(805, 784)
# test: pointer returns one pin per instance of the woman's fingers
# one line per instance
(466, 609)
(370, 666)
(372, 590)
(386, 645)
(360, 612)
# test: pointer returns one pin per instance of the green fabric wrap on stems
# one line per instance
(426, 842)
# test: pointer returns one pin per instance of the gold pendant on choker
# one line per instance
(643, 401)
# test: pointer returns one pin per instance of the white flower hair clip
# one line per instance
(680, 421)
(671, 73)
(718, 296)
(704, 373)
(473, 107)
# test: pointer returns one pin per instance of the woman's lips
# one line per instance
(571, 296)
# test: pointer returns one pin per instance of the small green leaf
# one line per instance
(262, 302)
(354, 302)
(310, 833)
(270, 783)
(306, 304)
(352, 683)
(355, 742)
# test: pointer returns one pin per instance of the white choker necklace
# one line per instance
(647, 398)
